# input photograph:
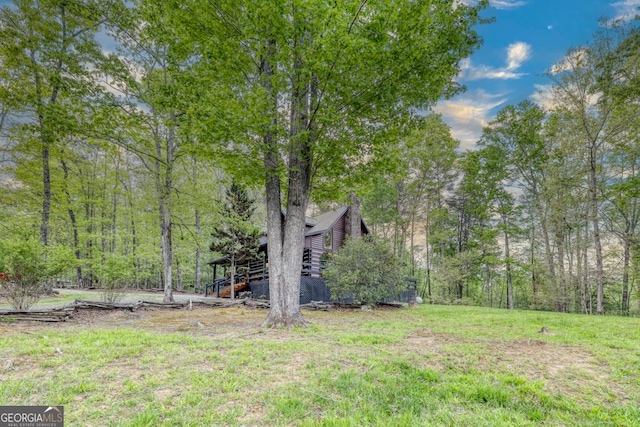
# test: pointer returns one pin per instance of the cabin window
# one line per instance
(328, 239)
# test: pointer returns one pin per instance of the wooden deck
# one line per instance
(257, 270)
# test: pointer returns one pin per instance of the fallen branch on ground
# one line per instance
(102, 305)
(53, 315)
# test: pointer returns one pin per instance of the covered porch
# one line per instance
(255, 270)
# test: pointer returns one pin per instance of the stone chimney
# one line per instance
(354, 218)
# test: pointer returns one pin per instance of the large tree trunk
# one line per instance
(167, 250)
(548, 253)
(427, 251)
(89, 218)
(487, 283)
(132, 224)
(114, 209)
(164, 184)
(561, 294)
(586, 301)
(46, 193)
(578, 300)
(286, 240)
(507, 259)
(74, 223)
(198, 278)
(593, 189)
(625, 272)
(285, 248)
(45, 135)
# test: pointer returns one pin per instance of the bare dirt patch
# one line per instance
(545, 359)
(563, 369)
(214, 321)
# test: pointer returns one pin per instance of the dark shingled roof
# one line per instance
(325, 221)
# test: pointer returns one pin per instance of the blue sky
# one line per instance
(527, 38)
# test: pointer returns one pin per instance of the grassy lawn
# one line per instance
(67, 296)
(49, 301)
(433, 365)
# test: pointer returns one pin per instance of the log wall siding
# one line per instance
(339, 233)
(317, 249)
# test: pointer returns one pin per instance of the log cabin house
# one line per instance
(323, 234)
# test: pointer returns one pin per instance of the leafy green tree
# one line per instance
(365, 269)
(622, 210)
(51, 50)
(518, 131)
(156, 98)
(236, 237)
(430, 156)
(405, 188)
(28, 264)
(587, 87)
(318, 80)
(477, 201)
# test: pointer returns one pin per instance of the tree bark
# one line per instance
(128, 188)
(561, 295)
(625, 273)
(593, 189)
(427, 249)
(74, 223)
(46, 193)
(587, 302)
(198, 277)
(286, 235)
(164, 185)
(507, 260)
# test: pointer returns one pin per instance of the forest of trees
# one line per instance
(544, 213)
(122, 125)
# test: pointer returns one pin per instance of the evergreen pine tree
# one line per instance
(236, 236)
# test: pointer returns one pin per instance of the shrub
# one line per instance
(366, 270)
(114, 276)
(27, 265)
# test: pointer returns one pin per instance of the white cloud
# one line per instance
(572, 60)
(517, 54)
(468, 113)
(626, 10)
(506, 4)
(543, 96)
(548, 97)
(498, 4)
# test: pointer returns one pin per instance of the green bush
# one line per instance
(366, 270)
(114, 276)
(29, 265)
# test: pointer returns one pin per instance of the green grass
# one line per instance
(52, 301)
(68, 296)
(433, 365)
